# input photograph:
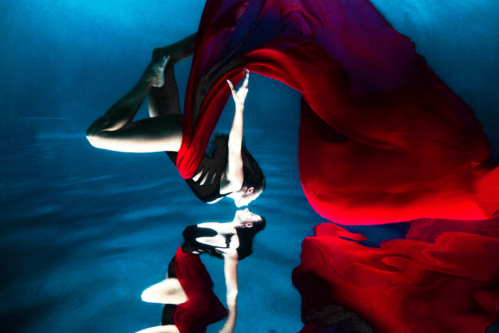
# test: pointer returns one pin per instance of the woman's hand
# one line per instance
(239, 95)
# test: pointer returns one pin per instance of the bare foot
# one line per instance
(156, 69)
(159, 52)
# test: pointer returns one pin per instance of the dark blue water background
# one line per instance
(84, 231)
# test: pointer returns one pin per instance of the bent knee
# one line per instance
(92, 137)
(147, 296)
(95, 137)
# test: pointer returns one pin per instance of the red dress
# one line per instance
(202, 307)
(382, 138)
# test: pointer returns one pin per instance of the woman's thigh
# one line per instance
(162, 133)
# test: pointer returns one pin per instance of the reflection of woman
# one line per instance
(227, 170)
(190, 304)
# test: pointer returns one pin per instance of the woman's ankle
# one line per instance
(180, 50)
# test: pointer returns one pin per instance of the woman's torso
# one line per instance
(206, 184)
(193, 233)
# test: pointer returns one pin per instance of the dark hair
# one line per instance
(253, 174)
(218, 146)
(246, 236)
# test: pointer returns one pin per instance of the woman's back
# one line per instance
(206, 184)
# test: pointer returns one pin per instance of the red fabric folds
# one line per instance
(202, 307)
(382, 138)
(442, 278)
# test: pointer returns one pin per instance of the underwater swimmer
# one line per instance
(228, 169)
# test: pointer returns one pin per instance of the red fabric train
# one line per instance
(382, 138)
(441, 278)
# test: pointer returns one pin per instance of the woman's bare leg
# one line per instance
(164, 100)
(168, 291)
(161, 329)
(180, 50)
(116, 131)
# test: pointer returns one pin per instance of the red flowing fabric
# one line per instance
(202, 307)
(382, 138)
(442, 278)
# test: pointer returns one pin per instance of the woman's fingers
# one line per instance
(234, 92)
(240, 94)
(231, 85)
(246, 78)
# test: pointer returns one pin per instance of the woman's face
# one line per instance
(247, 218)
(244, 196)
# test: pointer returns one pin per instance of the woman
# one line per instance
(190, 304)
(382, 139)
(227, 170)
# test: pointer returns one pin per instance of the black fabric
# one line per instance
(169, 309)
(191, 245)
(171, 269)
(167, 315)
(213, 165)
(245, 246)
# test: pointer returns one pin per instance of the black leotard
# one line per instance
(192, 245)
(213, 165)
(215, 160)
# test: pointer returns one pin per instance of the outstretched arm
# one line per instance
(230, 270)
(234, 173)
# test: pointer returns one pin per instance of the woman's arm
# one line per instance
(233, 180)
(230, 270)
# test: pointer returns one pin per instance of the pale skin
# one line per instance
(116, 130)
(170, 291)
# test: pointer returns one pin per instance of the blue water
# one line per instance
(84, 231)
